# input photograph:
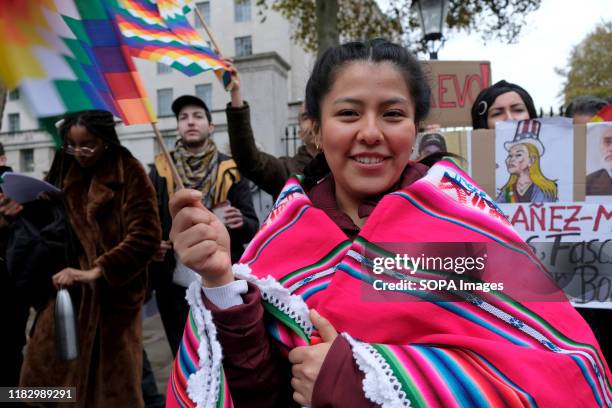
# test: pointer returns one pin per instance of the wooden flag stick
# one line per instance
(160, 140)
(208, 32)
(216, 47)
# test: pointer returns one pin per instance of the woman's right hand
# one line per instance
(236, 96)
(200, 239)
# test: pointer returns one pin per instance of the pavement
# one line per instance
(156, 345)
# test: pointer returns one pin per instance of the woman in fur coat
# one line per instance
(110, 205)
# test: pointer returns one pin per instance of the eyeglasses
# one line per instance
(85, 151)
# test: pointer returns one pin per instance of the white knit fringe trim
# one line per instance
(203, 385)
(379, 383)
(276, 294)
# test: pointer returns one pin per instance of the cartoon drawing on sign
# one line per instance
(599, 160)
(526, 182)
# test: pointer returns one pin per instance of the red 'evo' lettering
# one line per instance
(442, 90)
(463, 94)
(485, 76)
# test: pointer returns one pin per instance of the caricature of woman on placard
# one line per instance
(526, 183)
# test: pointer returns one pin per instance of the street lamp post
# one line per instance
(432, 14)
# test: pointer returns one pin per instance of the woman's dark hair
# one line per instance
(379, 50)
(336, 58)
(97, 122)
(487, 97)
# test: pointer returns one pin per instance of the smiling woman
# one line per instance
(307, 275)
(367, 132)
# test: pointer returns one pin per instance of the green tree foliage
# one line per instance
(355, 19)
(361, 19)
(589, 69)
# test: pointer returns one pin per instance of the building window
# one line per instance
(14, 122)
(163, 68)
(14, 95)
(169, 142)
(242, 10)
(164, 102)
(244, 46)
(204, 92)
(26, 160)
(204, 9)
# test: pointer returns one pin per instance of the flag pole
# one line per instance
(162, 146)
(158, 135)
(212, 38)
(215, 45)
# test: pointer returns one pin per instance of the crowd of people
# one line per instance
(287, 321)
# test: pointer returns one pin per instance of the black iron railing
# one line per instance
(291, 140)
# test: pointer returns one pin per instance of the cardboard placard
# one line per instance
(573, 242)
(573, 237)
(454, 86)
(483, 142)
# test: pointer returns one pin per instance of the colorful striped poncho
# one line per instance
(451, 349)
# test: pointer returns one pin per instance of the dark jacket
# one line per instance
(114, 217)
(4, 169)
(266, 171)
(14, 310)
(599, 183)
(38, 247)
(239, 195)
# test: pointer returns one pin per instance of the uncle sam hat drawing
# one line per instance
(528, 132)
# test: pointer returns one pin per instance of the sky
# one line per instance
(545, 42)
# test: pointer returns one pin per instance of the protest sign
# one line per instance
(569, 165)
(599, 162)
(454, 87)
(574, 242)
(533, 160)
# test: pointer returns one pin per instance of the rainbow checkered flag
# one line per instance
(68, 56)
(158, 30)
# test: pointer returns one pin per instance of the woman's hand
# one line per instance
(8, 207)
(233, 218)
(307, 361)
(69, 276)
(200, 239)
(234, 87)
